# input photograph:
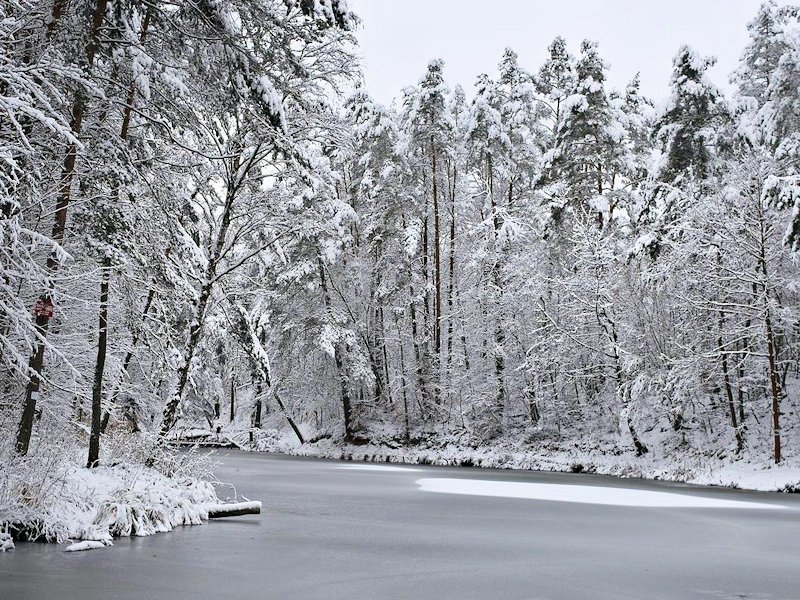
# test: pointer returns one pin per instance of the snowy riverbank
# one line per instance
(743, 472)
(53, 497)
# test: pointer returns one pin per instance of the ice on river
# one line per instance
(584, 494)
(377, 468)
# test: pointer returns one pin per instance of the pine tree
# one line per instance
(489, 153)
(586, 157)
(430, 126)
(688, 132)
(556, 80)
(768, 78)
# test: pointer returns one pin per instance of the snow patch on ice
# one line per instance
(580, 494)
(86, 545)
(375, 468)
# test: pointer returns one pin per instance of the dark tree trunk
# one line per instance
(451, 278)
(36, 361)
(774, 388)
(97, 388)
(233, 399)
(385, 354)
(611, 328)
(770, 343)
(726, 380)
(403, 380)
(126, 120)
(344, 383)
(259, 408)
(126, 362)
(437, 260)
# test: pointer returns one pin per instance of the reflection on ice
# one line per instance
(585, 494)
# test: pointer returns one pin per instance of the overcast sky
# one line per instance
(399, 37)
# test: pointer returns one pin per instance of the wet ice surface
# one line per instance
(327, 532)
(580, 494)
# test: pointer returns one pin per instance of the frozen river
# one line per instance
(343, 530)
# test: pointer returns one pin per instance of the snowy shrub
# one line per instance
(49, 495)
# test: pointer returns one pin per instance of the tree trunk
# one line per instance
(233, 399)
(289, 418)
(420, 356)
(437, 260)
(418, 338)
(403, 379)
(258, 355)
(234, 509)
(385, 353)
(126, 120)
(737, 432)
(499, 334)
(377, 358)
(451, 279)
(126, 362)
(641, 449)
(259, 408)
(344, 383)
(170, 416)
(36, 361)
(426, 299)
(770, 340)
(97, 388)
(773, 381)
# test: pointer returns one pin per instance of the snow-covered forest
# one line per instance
(208, 224)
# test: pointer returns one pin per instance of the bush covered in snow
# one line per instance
(50, 495)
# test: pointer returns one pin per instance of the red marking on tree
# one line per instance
(44, 308)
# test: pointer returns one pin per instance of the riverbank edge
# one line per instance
(744, 473)
(108, 502)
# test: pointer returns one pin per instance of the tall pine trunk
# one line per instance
(437, 259)
(451, 277)
(403, 378)
(499, 333)
(769, 335)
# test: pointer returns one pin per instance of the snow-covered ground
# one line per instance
(53, 497)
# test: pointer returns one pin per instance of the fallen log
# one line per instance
(233, 509)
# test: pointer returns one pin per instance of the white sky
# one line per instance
(399, 37)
